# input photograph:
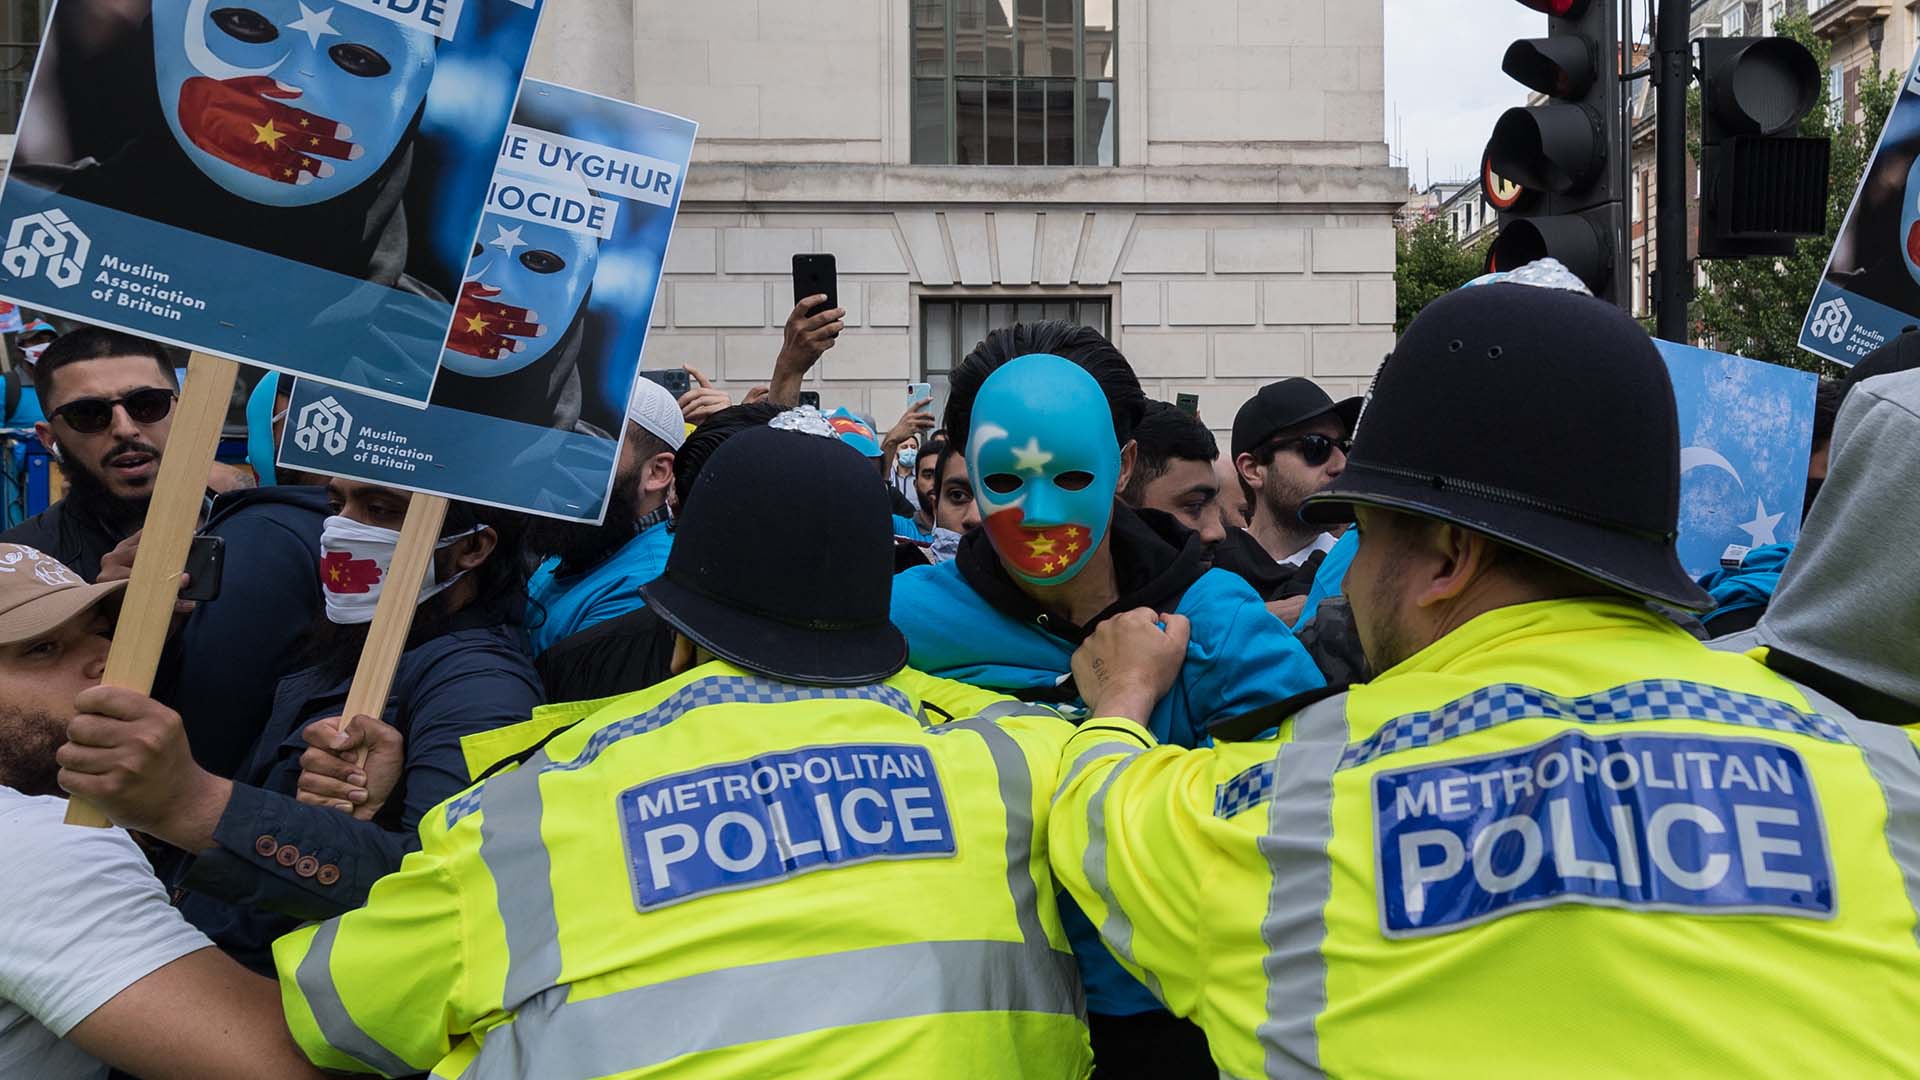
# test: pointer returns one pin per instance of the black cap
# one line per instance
(1279, 406)
(783, 564)
(1541, 417)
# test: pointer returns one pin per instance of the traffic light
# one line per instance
(1762, 186)
(1566, 153)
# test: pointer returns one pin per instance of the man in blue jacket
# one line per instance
(595, 571)
(1045, 412)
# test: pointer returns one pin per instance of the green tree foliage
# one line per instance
(1428, 263)
(1754, 307)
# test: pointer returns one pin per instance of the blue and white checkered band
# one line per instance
(715, 690)
(1653, 699)
(1247, 790)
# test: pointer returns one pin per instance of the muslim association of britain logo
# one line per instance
(323, 425)
(48, 240)
(1832, 320)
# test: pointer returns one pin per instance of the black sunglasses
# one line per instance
(90, 416)
(1314, 449)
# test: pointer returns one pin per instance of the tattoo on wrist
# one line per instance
(1100, 671)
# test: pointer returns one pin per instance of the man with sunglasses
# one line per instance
(109, 400)
(1289, 441)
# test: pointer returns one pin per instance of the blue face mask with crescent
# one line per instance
(1045, 464)
(284, 103)
(524, 286)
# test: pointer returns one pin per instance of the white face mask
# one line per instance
(946, 544)
(32, 352)
(354, 558)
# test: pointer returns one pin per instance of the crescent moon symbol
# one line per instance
(1696, 457)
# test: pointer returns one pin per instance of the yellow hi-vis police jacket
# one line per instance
(1565, 840)
(721, 876)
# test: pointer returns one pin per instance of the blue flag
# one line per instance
(1746, 431)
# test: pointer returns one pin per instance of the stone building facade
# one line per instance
(1238, 228)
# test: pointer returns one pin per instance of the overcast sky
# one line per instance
(1444, 84)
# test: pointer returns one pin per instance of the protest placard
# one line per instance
(529, 410)
(291, 183)
(1746, 431)
(1870, 290)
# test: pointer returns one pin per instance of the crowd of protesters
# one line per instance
(1074, 726)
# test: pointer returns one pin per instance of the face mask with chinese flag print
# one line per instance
(285, 102)
(524, 286)
(1046, 465)
(354, 558)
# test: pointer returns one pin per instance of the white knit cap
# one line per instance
(654, 409)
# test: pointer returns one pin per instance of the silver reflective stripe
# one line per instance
(315, 979)
(1001, 710)
(1116, 929)
(1894, 762)
(635, 1029)
(515, 851)
(1090, 755)
(1743, 641)
(1016, 796)
(515, 854)
(1299, 830)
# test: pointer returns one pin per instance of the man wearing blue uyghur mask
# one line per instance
(289, 128)
(1045, 412)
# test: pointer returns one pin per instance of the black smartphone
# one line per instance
(1188, 403)
(676, 380)
(206, 560)
(810, 397)
(816, 275)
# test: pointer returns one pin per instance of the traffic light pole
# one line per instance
(1672, 72)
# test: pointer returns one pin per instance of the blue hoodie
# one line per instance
(1745, 587)
(1331, 580)
(966, 620)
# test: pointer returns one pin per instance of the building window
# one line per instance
(20, 29)
(1639, 290)
(949, 329)
(1733, 19)
(1836, 84)
(1014, 82)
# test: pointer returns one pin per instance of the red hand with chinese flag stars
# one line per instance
(340, 572)
(235, 121)
(1041, 552)
(484, 327)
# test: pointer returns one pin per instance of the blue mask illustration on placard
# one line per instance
(524, 286)
(284, 103)
(1910, 223)
(1045, 464)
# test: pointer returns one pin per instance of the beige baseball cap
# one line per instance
(38, 593)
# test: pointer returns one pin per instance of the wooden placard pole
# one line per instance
(393, 615)
(146, 610)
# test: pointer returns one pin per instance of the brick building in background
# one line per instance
(1204, 180)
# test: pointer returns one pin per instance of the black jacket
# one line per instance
(1155, 561)
(627, 653)
(73, 531)
(1242, 555)
(276, 861)
(219, 671)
